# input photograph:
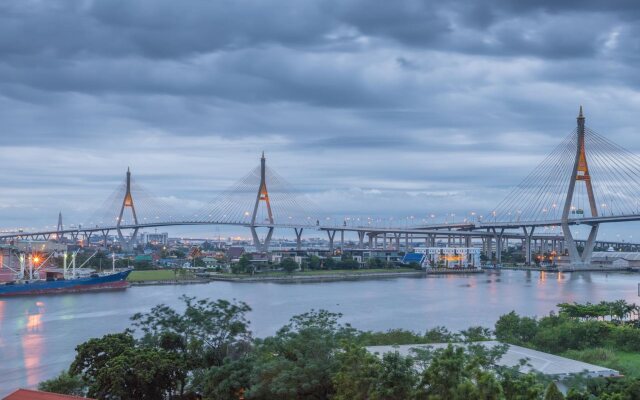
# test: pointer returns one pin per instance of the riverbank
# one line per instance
(169, 282)
(326, 276)
(146, 278)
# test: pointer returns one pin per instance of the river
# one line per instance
(38, 334)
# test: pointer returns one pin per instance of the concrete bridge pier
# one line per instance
(298, 238)
(361, 239)
(527, 243)
(331, 235)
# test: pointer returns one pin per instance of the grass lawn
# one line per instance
(156, 275)
(628, 363)
(326, 272)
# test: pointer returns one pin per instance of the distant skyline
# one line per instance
(392, 109)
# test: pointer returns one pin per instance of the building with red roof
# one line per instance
(27, 394)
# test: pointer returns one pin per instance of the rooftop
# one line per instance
(539, 361)
(609, 255)
(27, 394)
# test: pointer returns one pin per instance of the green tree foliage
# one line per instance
(396, 379)
(329, 263)
(140, 373)
(458, 372)
(514, 329)
(175, 351)
(357, 374)
(205, 333)
(476, 334)
(348, 263)
(298, 362)
(440, 334)
(288, 264)
(207, 351)
(65, 383)
(243, 265)
(517, 386)
(576, 394)
(613, 310)
(314, 262)
(552, 392)
(228, 381)
(373, 263)
(113, 367)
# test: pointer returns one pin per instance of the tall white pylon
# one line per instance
(580, 174)
(263, 195)
(127, 202)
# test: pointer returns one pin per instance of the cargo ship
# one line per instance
(56, 283)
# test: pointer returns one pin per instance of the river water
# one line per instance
(38, 334)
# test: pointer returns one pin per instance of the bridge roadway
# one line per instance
(466, 226)
(490, 233)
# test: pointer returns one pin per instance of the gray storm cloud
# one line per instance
(405, 108)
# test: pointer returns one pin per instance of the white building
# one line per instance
(449, 257)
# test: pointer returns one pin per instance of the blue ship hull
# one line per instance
(113, 281)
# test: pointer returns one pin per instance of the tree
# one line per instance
(414, 265)
(476, 334)
(206, 332)
(348, 263)
(552, 392)
(93, 356)
(65, 383)
(517, 386)
(314, 262)
(139, 374)
(288, 265)
(299, 361)
(228, 381)
(511, 328)
(575, 394)
(114, 366)
(373, 263)
(357, 373)
(396, 379)
(459, 372)
(329, 263)
(243, 265)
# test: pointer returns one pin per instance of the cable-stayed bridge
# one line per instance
(585, 180)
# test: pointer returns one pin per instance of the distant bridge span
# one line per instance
(586, 180)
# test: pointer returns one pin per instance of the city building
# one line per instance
(444, 257)
(157, 239)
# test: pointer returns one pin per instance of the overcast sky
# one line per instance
(387, 108)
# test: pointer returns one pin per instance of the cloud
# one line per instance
(406, 108)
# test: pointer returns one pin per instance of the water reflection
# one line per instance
(33, 343)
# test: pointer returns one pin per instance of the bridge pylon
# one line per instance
(580, 173)
(127, 202)
(60, 228)
(263, 196)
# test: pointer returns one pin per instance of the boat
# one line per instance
(55, 283)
